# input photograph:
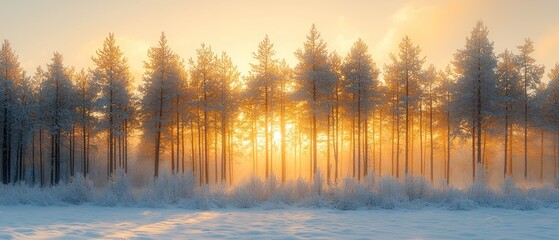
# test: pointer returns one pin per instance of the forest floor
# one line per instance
(94, 222)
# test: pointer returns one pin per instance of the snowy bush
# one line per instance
(461, 204)
(169, 189)
(416, 187)
(391, 192)
(350, 194)
(118, 191)
(480, 192)
(547, 196)
(78, 190)
(182, 190)
(249, 193)
(317, 183)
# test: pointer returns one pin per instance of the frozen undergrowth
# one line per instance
(348, 194)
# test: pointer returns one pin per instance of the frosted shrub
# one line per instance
(445, 194)
(169, 189)
(547, 196)
(286, 194)
(271, 186)
(416, 187)
(390, 191)
(20, 193)
(206, 197)
(509, 187)
(219, 195)
(249, 193)
(317, 183)
(350, 195)
(461, 204)
(479, 192)
(118, 191)
(78, 190)
(301, 188)
(369, 181)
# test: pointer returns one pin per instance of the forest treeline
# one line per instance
(326, 112)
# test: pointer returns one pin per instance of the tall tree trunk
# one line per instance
(183, 149)
(84, 149)
(506, 139)
(380, 142)
(41, 161)
(215, 151)
(283, 137)
(33, 157)
(525, 123)
(407, 124)
(431, 133)
(158, 135)
(192, 150)
(177, 121)
(172, 151)
(6, 149)
(266, 133)
(421, 160)
(541, 157)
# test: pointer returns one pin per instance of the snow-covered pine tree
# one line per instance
(23, 126)
(476, 92)
(446, 88)
(335, 115)
(315, 80)
(228, 77)
(531, 74)
(551, 108)
(361, 77)
(431, 83)
(10, 76)
(86, 95)
(510, 92)
(286, 77)
(262, 87)
(161, 86)
(39, 124)
(403, 74)
(112, 77)
(204, 86)
(56, 101)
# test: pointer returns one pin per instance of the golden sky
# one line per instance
(77, 28)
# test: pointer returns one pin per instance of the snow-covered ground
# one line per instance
(87, 221)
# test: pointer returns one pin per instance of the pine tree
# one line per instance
(262, 87)
(228, 78)
(11, 75)
(361, 76)
(86, 93)
(57, 102)
(531, 74)
(112, 77)
(551, 108)
(475, 67)
(508, 85)
(204, 84)
(336, 106)
(161, 85)
(315, 79)
(405, 71)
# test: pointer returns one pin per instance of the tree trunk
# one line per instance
(41, 162)
(431, 133)
(541, 157)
